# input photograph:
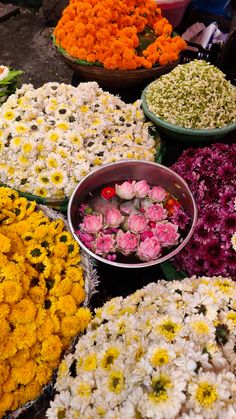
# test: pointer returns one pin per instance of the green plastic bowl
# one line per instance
(182, 134)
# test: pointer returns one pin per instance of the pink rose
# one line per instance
(147, 234)
(141, 189)
(104, 243)
(113, 217)
(126, 242)
(155, 213)
(85, 237)
(149, 249)
(166, 233)
(92, 223)
(136, 223)
(125, 190)
(157, 193)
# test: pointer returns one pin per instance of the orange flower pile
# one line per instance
(106, 31)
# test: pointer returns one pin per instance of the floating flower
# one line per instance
(157, 193)
(92, 223)
(108, 192)
(155, 213)
(136, 223)
(125, 190)
(149, 249)
(113, 217)
(167, 233)
(141, 189)
(104, 243)
(126, 242)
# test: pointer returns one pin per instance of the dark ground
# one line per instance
(26, 44)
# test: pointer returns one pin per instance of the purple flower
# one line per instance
(210, 174)
(180, 218)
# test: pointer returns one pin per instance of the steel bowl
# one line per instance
(120, 171)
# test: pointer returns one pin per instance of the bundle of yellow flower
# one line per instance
(41, 290)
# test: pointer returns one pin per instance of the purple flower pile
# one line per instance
(211, 175)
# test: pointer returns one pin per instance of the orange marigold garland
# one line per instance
(108, 32)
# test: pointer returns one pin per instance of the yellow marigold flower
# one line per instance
(23, 312)
(69, 326)
(19, 358)
(43, 374)
(73, 261)
(4, 372)
(25, 335)
(1, 292)
(4, 329)
(66, 304)
(25, 373)
(11, 271)
(62, 288)
(35, 351)
(56, 227)
(60, 250)
(84, 316)
(13, 291)
(4, 310)
(51, 348)
(37, 295)
(5, 243)
(5, 402)
(40, 232)
(28, 392)
(58, 266)
(75, 274)
(35, 253)
(25, 282)
(46, 329)
(3, 260)
(7, 348)
(55, 321)
(10, 385)
(77, 293)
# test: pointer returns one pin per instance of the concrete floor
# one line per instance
(26, 45)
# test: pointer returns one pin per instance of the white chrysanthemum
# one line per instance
(233, 241)
(4, 71)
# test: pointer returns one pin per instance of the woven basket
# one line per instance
(112, 79)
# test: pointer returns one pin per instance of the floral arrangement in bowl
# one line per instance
(8, 82)
(131, 222)
(51, 137)
(117, 35)
(166, 351)
(42, 288)
(210, 173)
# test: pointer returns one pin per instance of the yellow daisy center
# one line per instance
(90, 363)
(201, 328)
(116, 382)
(206, 394)
(160, 357)
(110, 356)
(160, 385)
(168, 329)
(9, 115)
(84, 390)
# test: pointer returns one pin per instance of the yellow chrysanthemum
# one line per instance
(51, 348)
(56, 227)
(43, 374)
(74, 273)
(66, 304)
(60, 250)
(168, 329)
(11, 271)
(57, 177)
(4, 310)
(20, 358)
(35, 253)
(84, 315)
(78, 293)
(90, 362)
(84, 390)
(206, 394)
(41, 192)
(62, 288)
(13, 291)
(4, 372)
(25, 335)
(23, 312)
(7, 348)
(159, 357)
(5, 402)
(25, 373)
(109, 357)
(116, 381)
(46, 329)
(69, 326)
(4, 329)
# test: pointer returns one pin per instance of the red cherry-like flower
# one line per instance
(108, 192)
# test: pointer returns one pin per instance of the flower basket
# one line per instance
(113, 79)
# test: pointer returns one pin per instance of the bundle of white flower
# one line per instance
(167, 351)
(53, 136)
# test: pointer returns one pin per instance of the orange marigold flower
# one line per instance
(51, 348)
(25, 373)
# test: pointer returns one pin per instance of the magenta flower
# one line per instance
(104, 244)
(150, 249)
(147, 234)
(141, 189)
(210, 173)
(137, 223)
(155, 213)
(125, 190)
(127, 242)
(113, 217)
(167, 234)
(157, 194)
(92, 223)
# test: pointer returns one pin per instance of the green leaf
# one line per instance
(171, 273)
(146, 38)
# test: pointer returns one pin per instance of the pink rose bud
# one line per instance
(92, 223)
(141, 189)
(136, 223)
(157, 194)
(126, 242)
(147, 234)
(125, 190)
(149, 249)
(166, 233)
(113, 217)
(155, 213)
(85, 237)
(104, 243)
